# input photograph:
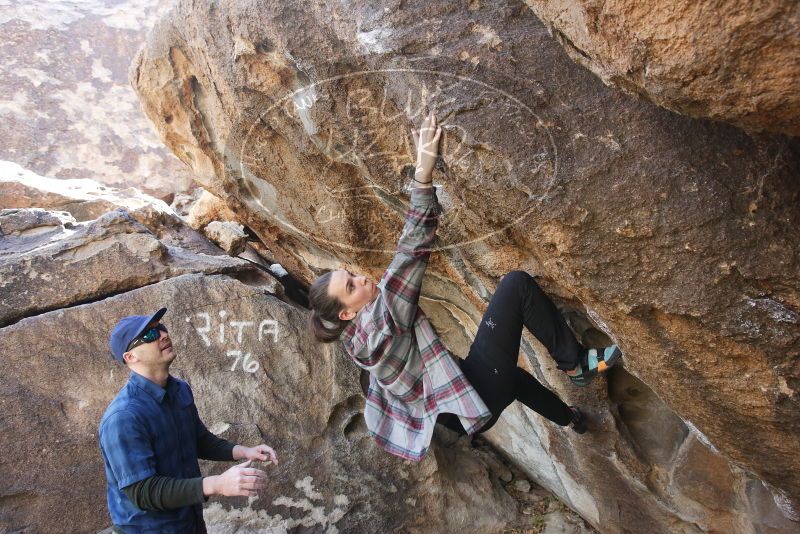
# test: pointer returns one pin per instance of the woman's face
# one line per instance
(354, 292)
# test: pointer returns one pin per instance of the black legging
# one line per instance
(491, 366)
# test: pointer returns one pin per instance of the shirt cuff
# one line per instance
(195, 488)
(422, 197)
(135, 477)
(230, 447)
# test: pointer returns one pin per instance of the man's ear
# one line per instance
(345, 315)
(128, 357)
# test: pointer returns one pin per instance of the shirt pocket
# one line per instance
(166, 445)
(187, 417)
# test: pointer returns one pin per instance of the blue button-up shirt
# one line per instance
(149, 430)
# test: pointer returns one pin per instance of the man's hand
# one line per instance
(238, 481)
(427, 143)
(260, 453)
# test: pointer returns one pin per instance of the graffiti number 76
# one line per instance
(251, 366)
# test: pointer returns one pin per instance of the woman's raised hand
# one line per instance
(427, 144)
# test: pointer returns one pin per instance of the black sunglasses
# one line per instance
(148, 336)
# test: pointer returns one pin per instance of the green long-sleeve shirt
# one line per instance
(160, 493)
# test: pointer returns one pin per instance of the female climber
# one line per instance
(413, 377)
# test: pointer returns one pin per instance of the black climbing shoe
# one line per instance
(578, 420)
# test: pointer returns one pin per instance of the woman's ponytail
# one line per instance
(323, 321)
(325, 331)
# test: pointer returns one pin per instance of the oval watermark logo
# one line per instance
(363, 154)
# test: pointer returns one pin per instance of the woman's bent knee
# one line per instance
(516, 278)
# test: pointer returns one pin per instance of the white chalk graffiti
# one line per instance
(251, 366)
(233, 331)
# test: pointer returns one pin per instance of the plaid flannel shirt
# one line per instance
(413, 377)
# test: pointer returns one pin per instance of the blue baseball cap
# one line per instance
(129, 328)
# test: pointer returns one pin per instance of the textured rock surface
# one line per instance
(111, 255)
(737, 62)
(206, 209)
(675, 237)
(256, 374)
(85, 199)
(229, 236)
(246, 386)
(66, 106)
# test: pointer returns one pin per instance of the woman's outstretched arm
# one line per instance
(402, 280)
(426, 142)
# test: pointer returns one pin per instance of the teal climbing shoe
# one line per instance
(594, 361)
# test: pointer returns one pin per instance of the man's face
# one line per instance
(154, 354)
(354, 292)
